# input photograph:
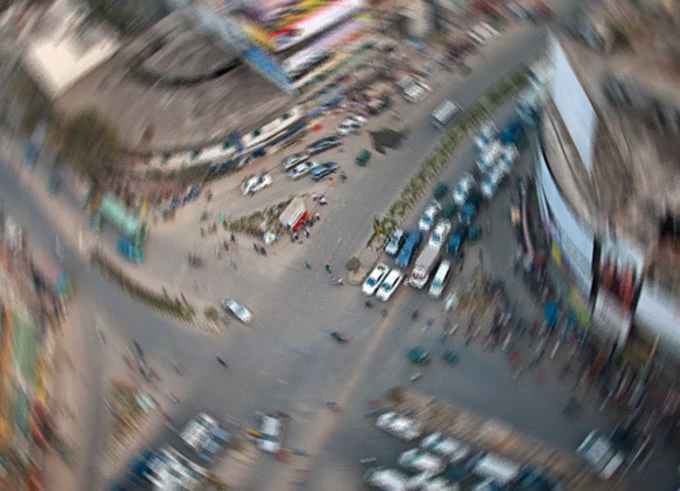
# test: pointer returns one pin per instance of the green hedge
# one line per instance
(149, 298)
(433, 164)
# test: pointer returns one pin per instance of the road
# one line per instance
(286, 360)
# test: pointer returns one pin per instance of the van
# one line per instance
(440, 279)
(408, 249)
(270, 434)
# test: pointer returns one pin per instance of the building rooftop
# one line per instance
(66, 48)
(177, 86)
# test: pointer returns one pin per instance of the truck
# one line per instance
(294, 214)
(444, 113)
(424, 266)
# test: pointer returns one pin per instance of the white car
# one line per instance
(241, 313)
(488, 133)
(491, 182)
(302, 169)
(389, 285)
(416, 91)
(357, 118)
(271, 429)
(428, 217)
(417, 460)
(398, 425)
(348, 126)
(463, 188)
(374, 279)
(603, 458)
(452, 450)
(253, 184)
(393, 245)
(507, 158)
(439, 233)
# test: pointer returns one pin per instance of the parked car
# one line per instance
(323, 170)
(395, 242)
(439, 280)
(374, 279)
(416, 91)
(463, 188)
(389, 285)
(491, 182)
(600, 454)
(241, 313)
(487, 134)
(292, 160)
(429, 215)
(507, 158)
(417, 460)
(457, 239)
(399, 425)
(253, 184)
(323, 144)
(453, 451)
(363, 157)
(348, 126)
(302, 169)
(467, 214)
(439, 233)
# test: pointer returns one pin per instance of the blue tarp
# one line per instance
(551, 313)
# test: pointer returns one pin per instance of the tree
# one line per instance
(88, 143)
(353, 264)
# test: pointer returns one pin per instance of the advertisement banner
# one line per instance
(315, 23)
(620, 271)
(610, 319)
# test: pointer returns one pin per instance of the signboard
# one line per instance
(575, 242)
(620, 271)
(573, 104)
(315, 23)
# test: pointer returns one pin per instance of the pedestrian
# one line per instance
(255, 248)
(317, 216)
(202, 232)
(263, 251)
(295, 236)
(232, 262)
(307, 234)
(328, 268)
(232, 238)
(307, 265)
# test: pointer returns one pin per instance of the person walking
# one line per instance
(307, 265)
(328, 268)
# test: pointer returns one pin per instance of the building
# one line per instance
(607, 175)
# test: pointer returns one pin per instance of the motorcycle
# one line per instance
(338, 336)
(414, 315)
(222, 362)
(415, 377)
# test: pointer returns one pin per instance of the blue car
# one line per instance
(407, 250)
(456, 240)
(323, 170)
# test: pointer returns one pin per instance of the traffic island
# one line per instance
(178, 308)
(494, 436)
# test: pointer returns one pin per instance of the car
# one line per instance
(323, 144)
(374, 279)
(357, 118)
(323, 170)
(487, 134)
(420, 461)
(439, 233)
(491, 182)
(253, 184)
(439, 281)
(389, 285)
(467, 214)
(416, 91)
(507, 158)
(399, 425)
(271, 429)
(302, 169)
(463, 188)
(291, 161)
(601, 455)
(396, 239)
(241, 313)
(457, 239)
(347, 126)
(428, 217)
(198, 430)
(486, 162)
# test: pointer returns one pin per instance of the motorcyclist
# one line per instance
(415, 314)
(222, 362)
(368, 304)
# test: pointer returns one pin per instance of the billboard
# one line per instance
(620, 271)
(315, 23)
(610, 319)
(658, 312)
(576, 243)
(306, 57)
(573, 105)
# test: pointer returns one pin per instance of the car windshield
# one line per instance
(238, 309)
(436, 283)
(386, 286)
(371, 281)
(427, 218)
(436, 238)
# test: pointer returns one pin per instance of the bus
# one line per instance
(445, 113)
